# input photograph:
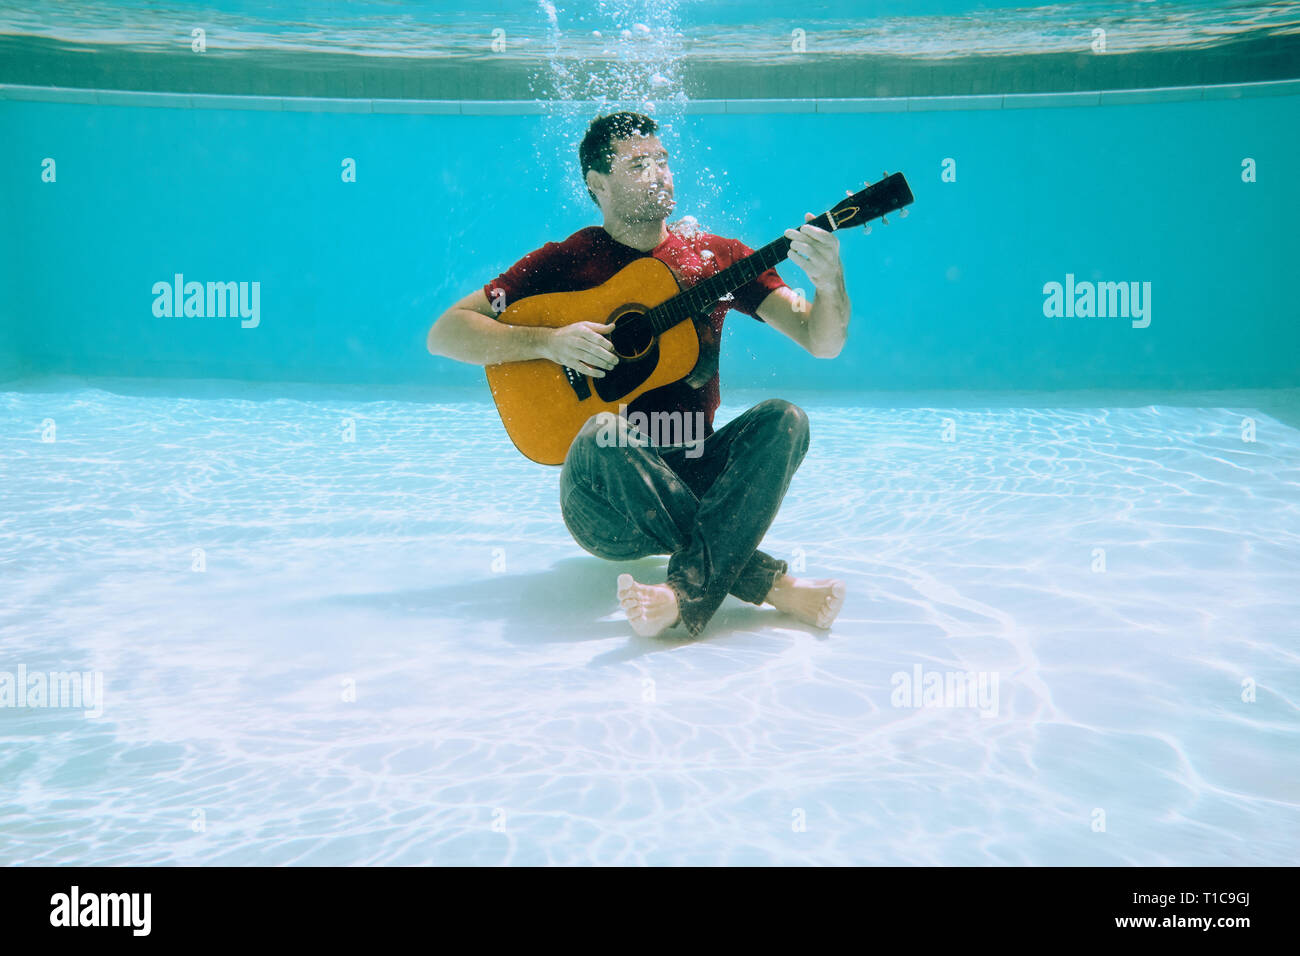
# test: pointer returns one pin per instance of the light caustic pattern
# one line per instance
(503, 711)
(753, 33)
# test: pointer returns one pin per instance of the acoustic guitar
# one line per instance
(544, 405)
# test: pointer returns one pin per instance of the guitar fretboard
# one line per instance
(700, 298)
(892, 192)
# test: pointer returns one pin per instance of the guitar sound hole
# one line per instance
(631, 335)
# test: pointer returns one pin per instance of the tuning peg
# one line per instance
(848, 192)
(884, 220)
(867, 228)
(884, 175)
(902, 214)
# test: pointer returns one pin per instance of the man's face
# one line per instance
(639, 186)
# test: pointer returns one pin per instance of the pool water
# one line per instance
(346, 625)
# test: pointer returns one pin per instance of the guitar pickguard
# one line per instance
(707, 364)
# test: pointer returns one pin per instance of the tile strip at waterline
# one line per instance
(901, 104)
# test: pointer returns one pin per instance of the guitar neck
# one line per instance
(700, 298)
(892, 192)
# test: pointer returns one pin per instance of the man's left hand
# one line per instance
(817, 252)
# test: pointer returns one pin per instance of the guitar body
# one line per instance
(544, 405)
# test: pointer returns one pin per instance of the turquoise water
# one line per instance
(351, 274)
(330, 616)
(502, 710)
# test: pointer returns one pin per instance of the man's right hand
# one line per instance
(583, 347)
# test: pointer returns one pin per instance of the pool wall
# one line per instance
(351, 274)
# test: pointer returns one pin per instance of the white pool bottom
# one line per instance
(505, 713)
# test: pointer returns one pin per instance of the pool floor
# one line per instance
(348, 626)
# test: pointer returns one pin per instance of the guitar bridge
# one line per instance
(581, 387)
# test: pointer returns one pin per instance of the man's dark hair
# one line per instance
(597, 149)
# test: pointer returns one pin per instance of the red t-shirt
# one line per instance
(590, 256)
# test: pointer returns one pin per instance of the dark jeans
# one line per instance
(708, 512)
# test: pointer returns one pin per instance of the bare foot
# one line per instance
(813, 602)
(650, 608)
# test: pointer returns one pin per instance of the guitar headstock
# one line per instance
(873, 202)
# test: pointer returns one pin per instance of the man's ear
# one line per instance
(592, 184)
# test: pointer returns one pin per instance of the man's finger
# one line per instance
(594, 355)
